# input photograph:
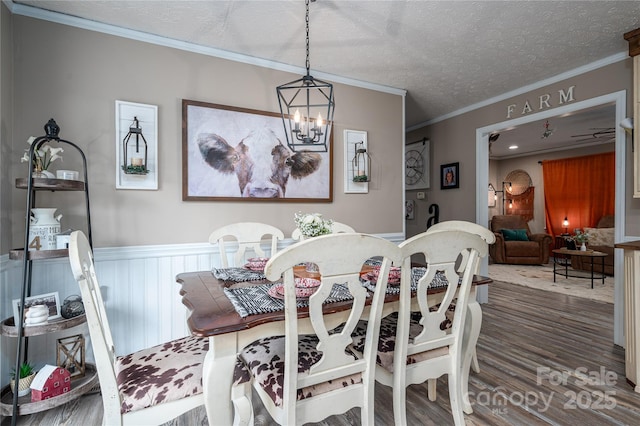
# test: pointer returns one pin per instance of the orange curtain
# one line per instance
(582, 189)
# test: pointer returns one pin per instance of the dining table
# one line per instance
(213, 315)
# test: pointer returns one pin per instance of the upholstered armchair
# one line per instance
(516, 244)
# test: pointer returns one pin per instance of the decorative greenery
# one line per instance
(360, 178)
(581, 237)
(312, 224)
(26, 370)
(135, 170)
(43, 157)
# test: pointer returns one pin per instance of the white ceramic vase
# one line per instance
(583, 247)
(43, 229)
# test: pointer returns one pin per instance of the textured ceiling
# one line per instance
(446, 54)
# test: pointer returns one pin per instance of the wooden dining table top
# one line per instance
(212, 313)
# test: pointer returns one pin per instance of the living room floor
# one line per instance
(541, 277)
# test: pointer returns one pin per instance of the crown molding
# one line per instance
(73, 21)
(529, 88)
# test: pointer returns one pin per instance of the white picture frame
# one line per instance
(415, 153)
(52, 300)
(147, 116)
(351, 137)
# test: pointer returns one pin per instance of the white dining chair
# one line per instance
(416, 343)
(148, 387)
(308, 373)
(248, 236)
(336, 228)
(485, 234)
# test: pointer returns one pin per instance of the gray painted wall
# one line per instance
(6, 124)
(76, 75)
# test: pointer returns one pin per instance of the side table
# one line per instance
(563, 259)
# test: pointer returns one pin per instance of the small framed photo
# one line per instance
(50, 300)
(409, 208)
(450, 176)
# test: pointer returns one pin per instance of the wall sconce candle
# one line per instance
(361, 163)
(138, 165)
(357, 163)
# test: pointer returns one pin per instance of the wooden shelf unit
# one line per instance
(79, 386)
(10, 403)
(8, 326)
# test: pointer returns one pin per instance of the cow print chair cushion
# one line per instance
(163, 373)
(387, 342)
(265, 360)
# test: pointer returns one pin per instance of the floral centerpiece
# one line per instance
(581, 237)
(312, 224)
(42, 157)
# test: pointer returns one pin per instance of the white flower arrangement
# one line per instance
(581, 237)
(43, 157)
(312, 224)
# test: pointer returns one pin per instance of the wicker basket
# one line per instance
(24, 385)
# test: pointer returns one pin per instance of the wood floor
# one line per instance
(545, 359)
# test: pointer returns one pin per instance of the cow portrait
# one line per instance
(260, 161)
(236, 154)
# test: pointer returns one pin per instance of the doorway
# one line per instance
(482, 181)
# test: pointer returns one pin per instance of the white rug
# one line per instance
(541, 277)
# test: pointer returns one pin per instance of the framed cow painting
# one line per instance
(231, 153)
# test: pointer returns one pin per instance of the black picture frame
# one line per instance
(450, 176)
(213, 177)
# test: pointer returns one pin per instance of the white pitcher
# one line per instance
(43, 229)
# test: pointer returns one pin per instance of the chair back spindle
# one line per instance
(248, 237)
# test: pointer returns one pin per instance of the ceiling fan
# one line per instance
(600, 134)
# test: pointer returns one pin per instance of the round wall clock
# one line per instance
(414, 166)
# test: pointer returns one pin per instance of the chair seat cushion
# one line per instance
(167, 372)
(265, 360)
(522, 248)
(387, 339)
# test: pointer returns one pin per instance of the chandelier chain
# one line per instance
(308, 62)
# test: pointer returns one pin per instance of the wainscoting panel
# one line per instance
(139, 288)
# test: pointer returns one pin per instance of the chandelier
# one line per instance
(307, 107)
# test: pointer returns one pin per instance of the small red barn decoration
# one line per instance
(50, 381)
